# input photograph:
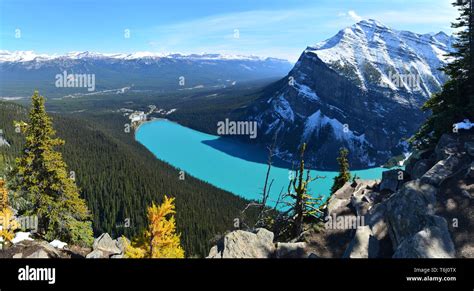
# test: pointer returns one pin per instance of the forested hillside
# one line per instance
(119, 178)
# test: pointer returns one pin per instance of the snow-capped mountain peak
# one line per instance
(371, 49)
(28, 56)
(366, 83)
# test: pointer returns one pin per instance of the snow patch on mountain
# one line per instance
(306, 92)
(317, 121)
(283, 109)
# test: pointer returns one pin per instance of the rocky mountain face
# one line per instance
(425, 211)
(140, 71)
(361, 89)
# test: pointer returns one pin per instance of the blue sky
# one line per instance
(277, 28)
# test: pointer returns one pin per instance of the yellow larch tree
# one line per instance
(7, 220)
(160, 240)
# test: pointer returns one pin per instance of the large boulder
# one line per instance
(39, 254)
(363, 245)
(448, 145)
(393, 179)
(339, 202)
(420, 168)
(375, 219)
(442, 170)
(244, 244)
(414, 230)
(433, 241)
(105, 243)
(363, 200)
(352, 196)
(407, 209)
(417, 156)
(36, 249)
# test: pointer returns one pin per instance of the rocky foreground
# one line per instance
(35, 248)
(424, 211)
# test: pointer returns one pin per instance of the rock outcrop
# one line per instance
(106, 247)
(244, 244)
(257, 244)
(422, 211)
(40, 249)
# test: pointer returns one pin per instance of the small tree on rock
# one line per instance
(344, 174)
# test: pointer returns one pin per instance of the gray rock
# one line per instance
(39, 254)
(469, 146)
(433, 241)
(440, 171)
(265, 235)
(41, 249)
(362, 199)
(407, 209)
(291, 250)
(416, 156)
(97, 254)
(121, 256)
(339, 202)
(120, 243)
(393, 179)
(363, 245)
(244, 244)
(105, 243)
(447, 146)
(375, 219)
(420, 168)
(17, 256)
(466, 251)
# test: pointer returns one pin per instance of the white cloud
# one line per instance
(352, 14)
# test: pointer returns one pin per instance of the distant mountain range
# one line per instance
(23, 71)
(361, 89)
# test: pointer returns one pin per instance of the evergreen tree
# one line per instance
(160, 240)
(456, 100)
(344, 174)
(41, 178)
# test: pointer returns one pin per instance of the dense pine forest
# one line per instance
(119, 179)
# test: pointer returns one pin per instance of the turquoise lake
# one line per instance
(200, 155)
